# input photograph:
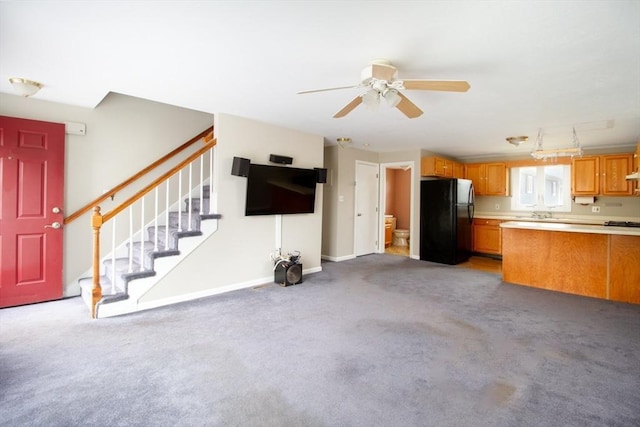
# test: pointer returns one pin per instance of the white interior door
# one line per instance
(366, 212)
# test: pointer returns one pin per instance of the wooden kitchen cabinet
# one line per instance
(615, 168)
(603, 266)
(489, 179)
(438, 166)
(602, 175)
(458, 170)
(487, 236)
(388, 233)
(585, 176)
(624, 276)
(636, 159)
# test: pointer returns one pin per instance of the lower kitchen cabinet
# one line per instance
(487, 236)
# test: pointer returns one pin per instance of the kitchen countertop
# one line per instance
(564, 219)
(572, 228)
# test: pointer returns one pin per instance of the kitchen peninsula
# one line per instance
(590, 260)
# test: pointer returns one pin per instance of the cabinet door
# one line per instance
(487, 237)
(447, 167)
(436, 166)
(458, 170)
(585, 176)
(615, 168)
(428, 166)
(496, 179)
(388, 234)
(636, 158)
(475, 172)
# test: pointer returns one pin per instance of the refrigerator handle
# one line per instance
(471, 210)
(472, 195)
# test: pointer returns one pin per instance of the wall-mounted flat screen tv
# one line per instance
(277, 190)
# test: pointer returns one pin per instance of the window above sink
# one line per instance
(541, 188)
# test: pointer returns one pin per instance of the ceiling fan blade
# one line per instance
(408, 108)
(349, 107)
(444, 85)
(324, 90)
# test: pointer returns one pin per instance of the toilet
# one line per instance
(400, 237)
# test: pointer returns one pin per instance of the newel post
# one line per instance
(96, 290)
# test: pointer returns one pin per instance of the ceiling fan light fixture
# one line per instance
(392, 97)
(371, 98)
(517, 140)
(25, 87)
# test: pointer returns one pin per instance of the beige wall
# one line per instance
(239, 252)
(338, 243)
(123, 134)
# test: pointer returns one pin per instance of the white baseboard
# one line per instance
(214, 291)
(337, 259)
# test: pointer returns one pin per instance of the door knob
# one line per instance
(56, 209)
(55, 225)
(359, 214)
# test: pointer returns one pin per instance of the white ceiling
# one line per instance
(531, 65)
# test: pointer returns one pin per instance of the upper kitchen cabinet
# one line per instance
(615, 169)
(489, 179)
(585, 176)
(438, 166)
(602, 175)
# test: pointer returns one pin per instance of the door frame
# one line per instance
(355, 206)
(411, 164)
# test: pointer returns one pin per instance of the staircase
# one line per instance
(140, 263)
(167, 220)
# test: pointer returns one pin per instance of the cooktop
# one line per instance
(622, 223)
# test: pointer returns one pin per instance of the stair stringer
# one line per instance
(162, 267)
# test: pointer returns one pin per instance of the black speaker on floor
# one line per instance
(240, 167)
(321, 175)
(287, 273)
(283, 160)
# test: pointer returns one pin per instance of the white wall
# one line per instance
(124, 134)
(238, 253)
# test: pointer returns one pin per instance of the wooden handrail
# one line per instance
(207, 135)
(122, 206)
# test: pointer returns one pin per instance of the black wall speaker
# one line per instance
(287, 273)
(240, 166)
(321, 175)
(283, 160)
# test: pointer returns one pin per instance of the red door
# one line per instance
(31, 178)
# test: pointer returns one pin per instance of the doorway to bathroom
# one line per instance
(396, 205)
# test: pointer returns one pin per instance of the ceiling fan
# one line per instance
(379, 79)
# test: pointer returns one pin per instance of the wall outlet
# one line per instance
(595, 209)
(497, 206)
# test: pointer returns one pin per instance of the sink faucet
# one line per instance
(541, 215)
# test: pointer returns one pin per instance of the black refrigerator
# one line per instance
(446, 216)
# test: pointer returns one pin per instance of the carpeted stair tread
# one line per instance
(194, 202)
(108, 299)
(176, 218)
